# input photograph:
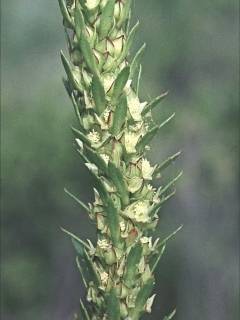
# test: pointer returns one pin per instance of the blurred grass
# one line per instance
(192, 50)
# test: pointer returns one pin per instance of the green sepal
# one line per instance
(117, 178)
(143, 294)
(111, 211)
(83, 311)
(136, 61)
(98, 95)
(77, 200)
(95, 158)
(145, 140)
(113, 305)
(154, 103)
(119, 84)
(106, 19)
(169, 317)
(119, 116)
(87, 53)
(65, 13)
(125, 13)
(70, 74)
(131, 266)
(166, 163)
(155, 260)
(129, 42)
(80, 25)
(81, 136)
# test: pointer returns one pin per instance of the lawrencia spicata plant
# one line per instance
(112, 137)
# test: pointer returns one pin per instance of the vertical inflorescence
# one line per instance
(113, 134)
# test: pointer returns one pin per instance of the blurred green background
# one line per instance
(192, 50)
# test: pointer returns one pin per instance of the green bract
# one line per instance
(114, 131)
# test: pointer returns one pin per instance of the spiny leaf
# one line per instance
(81, 136)
(145, 140)
(95, 158)
(81, 272)
(131, 267)
(139, 78)
(136, 61)
(119, 116)
(113, 306)
(69, 72)
(120, 83)
(83, 311)
(170, 316)
(65, 12)
(154, 103)
(143, 295)
(77, 200)
(98, 95)
(76, 109)
(166, 121)
(156, 260)
(172, 182)
(106, 19)
(167, 163)
(155, 207)
(129, 42)
(117, 178)
(164, 241)
(74, 237)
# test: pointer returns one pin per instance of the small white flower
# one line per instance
(131, 140)
(105, 157)
(134, 184)
(103, 244)
(92, 4)
(104, 277)
(135, 106)
(145, 240)
(122, 226)
(93, 136)
(147, 170)
(106, 114)
(138, 211)
(150, 303)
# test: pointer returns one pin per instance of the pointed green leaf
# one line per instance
(106, 20)
(154, 103)
(113, 305)
(155, 261)
(136, 61)
(170, 316)
(120, 84)
(76, 109)
(138, 79)
(119, 116)
(132, 262)
(117, 178)
(83, 311)
(145, 140)
(69, 72)
(166, 121)
(98, 95)
(65, 12)
(166, 163)
(141, 299)
(129, 42)
(96, 159)
(77, 200)
(157, 206)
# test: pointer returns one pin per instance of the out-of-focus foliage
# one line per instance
(192, 50)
